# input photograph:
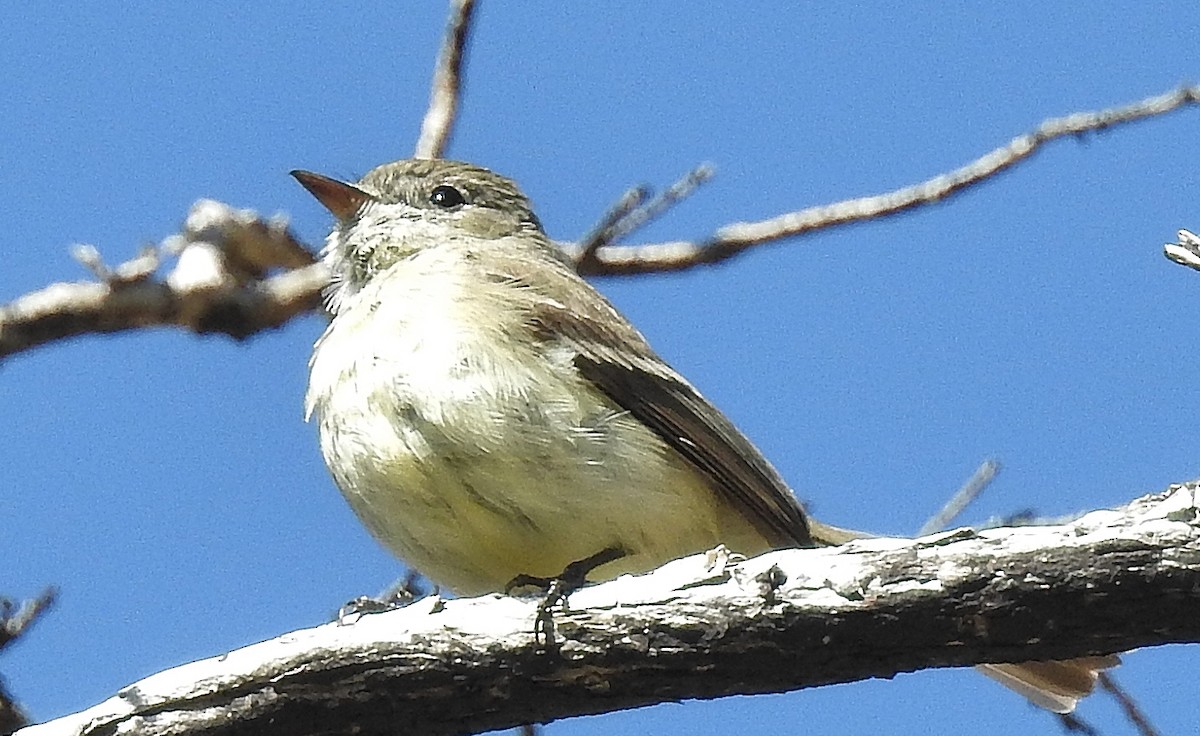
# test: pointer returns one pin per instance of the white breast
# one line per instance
(477, 453)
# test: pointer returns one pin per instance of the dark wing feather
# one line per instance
(638, 381)
(702, 435)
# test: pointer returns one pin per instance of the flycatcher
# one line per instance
(488, 414)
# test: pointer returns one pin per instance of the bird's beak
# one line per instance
(342, 199)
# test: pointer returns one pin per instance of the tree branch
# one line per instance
(962, 498)
(438, 124)
(1185, 252)
(1132, 710)
(634, 210)
(218, 284)
(701, 627)
(15, 620)
(14, 623)
(736, 238)
(239, 302)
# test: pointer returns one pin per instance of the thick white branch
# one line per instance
(701, 627)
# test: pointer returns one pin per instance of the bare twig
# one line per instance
(1072, 723)
(602, 233)
(218, 284)
(672, 196)
(220, 297)
(975, 485)
(12, 716)
(1133, 712)
(69, 309)
(634, 210)
(14, 622)
(138, 268)
(736, 238)
(438, 124)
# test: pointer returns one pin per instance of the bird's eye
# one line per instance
(446, 196)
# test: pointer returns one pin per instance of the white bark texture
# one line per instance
(700, 627)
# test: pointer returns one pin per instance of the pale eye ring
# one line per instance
(446, 197)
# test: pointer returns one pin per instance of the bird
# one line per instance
(490, 416)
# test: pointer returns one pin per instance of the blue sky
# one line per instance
(167, 484)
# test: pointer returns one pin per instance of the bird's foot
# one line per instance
(556, 589)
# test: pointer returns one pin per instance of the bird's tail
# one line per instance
(1055, 686)
(824, 535)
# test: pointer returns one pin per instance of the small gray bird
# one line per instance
(488, 414)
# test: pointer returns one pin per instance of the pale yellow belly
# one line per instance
(472, 511)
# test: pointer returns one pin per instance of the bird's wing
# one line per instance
(639, 382)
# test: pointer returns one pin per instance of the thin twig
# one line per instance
(634, 210)
(736, 238)
(1132, 710)
(975, 485)
(1072, 723)
(15, 621)
(12, 716)
(438, 124)
(670, 197)
(601, 234)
